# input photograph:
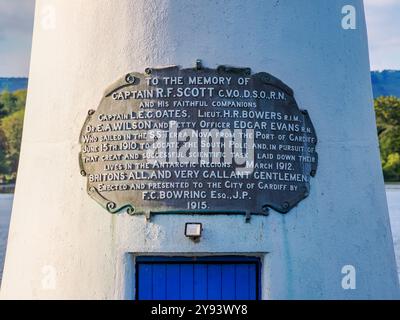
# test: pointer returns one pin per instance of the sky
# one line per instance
(16, 22)
(383, 26)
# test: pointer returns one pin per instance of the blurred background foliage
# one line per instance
(387, 111)
(12, 109)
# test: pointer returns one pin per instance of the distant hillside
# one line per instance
(386, 83)
(12, 84)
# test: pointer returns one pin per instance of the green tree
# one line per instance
(8, 103)
(12, 128)
(20, 95)
(391, 168)
(3, 110)
(387, 111)
(12, 107)
(3, 153)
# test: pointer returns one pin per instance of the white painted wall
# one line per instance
(94, 42)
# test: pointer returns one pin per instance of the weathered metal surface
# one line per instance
(147, 146)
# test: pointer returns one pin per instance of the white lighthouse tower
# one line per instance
(335, 244)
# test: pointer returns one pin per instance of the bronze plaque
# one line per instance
(198, 140)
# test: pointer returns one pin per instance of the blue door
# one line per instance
(198, 278)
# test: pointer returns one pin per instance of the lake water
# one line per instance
(393, 199)
(5, 213)
(392, 194)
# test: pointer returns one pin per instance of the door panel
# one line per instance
(173, 281)
(199, 279)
